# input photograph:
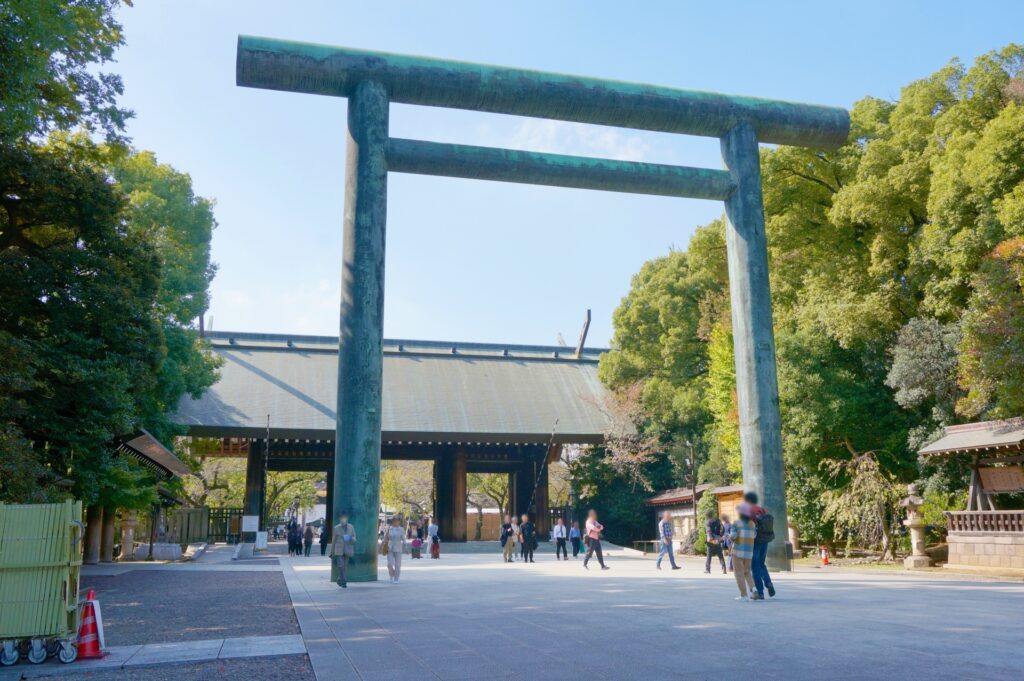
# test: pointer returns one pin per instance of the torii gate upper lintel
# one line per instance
(372, 80)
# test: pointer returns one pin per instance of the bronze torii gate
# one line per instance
(372, 80)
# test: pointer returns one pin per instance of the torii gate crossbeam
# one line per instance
(372, 80)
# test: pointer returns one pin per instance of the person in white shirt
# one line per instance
(395, 538)
(560, 533)
(435, 539)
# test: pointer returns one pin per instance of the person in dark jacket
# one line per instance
(763, 521)
(575, 538)
(714, 534)
(307, 540)
(528, 536)
(325, 538)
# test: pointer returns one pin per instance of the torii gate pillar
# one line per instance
(361, 336)
(757, 388)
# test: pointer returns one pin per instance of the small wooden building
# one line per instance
(679, 502)
(986, 537)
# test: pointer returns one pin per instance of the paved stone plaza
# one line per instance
(470, 616)
(473, 617)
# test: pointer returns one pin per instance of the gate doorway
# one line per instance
(225, 525)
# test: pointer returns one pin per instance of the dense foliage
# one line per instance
(104, 266)
(48, 81)
(897, 271)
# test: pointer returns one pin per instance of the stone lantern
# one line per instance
(918, 558)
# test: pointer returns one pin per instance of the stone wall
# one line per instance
(980, 550)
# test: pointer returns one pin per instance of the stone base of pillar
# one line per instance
(161, 551)
(913, 562)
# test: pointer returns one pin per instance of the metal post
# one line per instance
(757, 390)
(360, 358)
(330, 517)
(693, 482)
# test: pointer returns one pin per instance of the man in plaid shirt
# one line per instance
(665, 534)
(742, 535)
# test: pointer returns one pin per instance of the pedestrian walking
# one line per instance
(294, 541)
(765, 523)
(561, 533)
(528, 537)
(435, 540)
(395, 539)
(293, 538)
(307, 540)
(742, 535)
(665, 535)
(726, 541)
(343, 547)
(574, 539)
(325, 538)
(514, 538)
(593, 540)
(508, 541)
(415, 537)
(714, 533)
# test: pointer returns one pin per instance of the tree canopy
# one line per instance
(104, 265)
(49, 50)
(898, 290)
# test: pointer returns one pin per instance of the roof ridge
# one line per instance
(399, 342)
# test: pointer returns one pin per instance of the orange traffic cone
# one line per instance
(824, 555)
(90, 631)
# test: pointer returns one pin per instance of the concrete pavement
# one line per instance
(474, 617)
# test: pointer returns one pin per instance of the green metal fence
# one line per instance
(40, 560)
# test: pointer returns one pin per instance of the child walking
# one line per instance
(741, 536)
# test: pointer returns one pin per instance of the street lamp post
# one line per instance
(691, 462)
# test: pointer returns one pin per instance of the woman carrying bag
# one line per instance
(593, 539)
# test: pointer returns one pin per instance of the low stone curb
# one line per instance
(153, 654)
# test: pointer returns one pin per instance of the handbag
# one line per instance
(384, 548)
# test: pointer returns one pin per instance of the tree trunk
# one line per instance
(479, 520)
(888, 547)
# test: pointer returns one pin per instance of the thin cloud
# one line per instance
(577, 139)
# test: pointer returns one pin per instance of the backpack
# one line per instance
(765, 524)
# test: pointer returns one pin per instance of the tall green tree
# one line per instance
(104, 264)
(992, 348)
(163, 209)
(897, 288)
(78, 287)
(49, 51)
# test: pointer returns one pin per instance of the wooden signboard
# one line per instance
(1002, 479)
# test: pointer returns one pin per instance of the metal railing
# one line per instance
(1004, 522)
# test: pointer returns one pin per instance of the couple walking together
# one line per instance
(750, 534)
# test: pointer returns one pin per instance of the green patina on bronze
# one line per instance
(325, 70)
(361, 333)
(371, 80)
(557, 170)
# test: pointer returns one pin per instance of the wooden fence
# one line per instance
(1002, 522)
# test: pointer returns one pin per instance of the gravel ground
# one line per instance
(291, 668)
(150, 606)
